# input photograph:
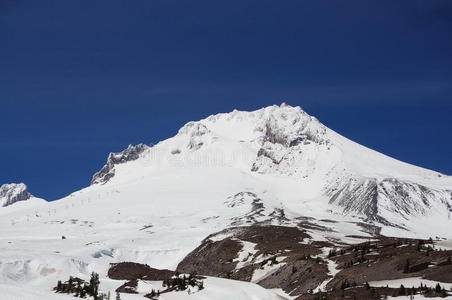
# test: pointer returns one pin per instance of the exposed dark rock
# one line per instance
(298, 275)
(258, 213)
(297, 265)
(129, 287)
(443, 273)
(390, 258)
(358, 196)
(108, 170)
(212, 258)
(279, 247)
(133, 271)
(364, 196)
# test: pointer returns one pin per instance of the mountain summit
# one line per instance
(335, 173)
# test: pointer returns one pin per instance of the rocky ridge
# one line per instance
(12, 193)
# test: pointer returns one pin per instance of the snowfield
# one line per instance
(156, 204)
(218, 288)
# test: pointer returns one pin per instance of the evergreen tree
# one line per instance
(402, 290)
(59, 287)
(118, 296)
(94, 284)
(83, 292)
(70, 282)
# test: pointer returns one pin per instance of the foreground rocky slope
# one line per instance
(288, 258)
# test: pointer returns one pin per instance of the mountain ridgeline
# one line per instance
(285, 141)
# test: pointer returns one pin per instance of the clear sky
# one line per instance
(79, 79)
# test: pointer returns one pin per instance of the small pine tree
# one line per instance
(58, 287)
(332, 252)
(402, 290)
(70, 282)
(94, 284)
(118, 296)
(83, 292)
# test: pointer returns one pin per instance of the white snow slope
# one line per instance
(155, 204)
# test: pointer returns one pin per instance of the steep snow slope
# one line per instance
(156, 204)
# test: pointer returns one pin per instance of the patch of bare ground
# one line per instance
(134, 271)
(212, 258)
(390, 258)
(281, 255)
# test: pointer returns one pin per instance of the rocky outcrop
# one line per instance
(290, 126)
(357, 196)
(12, 193)
(287, 258)
(196, 133)
(132, 152)
(286, 134)
(134, 271)
(271, 256)
(374, 198)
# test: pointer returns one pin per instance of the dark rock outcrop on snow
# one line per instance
(196, 132)
(391, 258)
(134, 271)
(108, 170)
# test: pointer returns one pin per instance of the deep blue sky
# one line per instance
(79, 79)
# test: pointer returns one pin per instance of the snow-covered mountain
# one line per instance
(286, 142)
(12, 193)
(274, 166)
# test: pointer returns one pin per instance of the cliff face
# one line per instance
(108, 170)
